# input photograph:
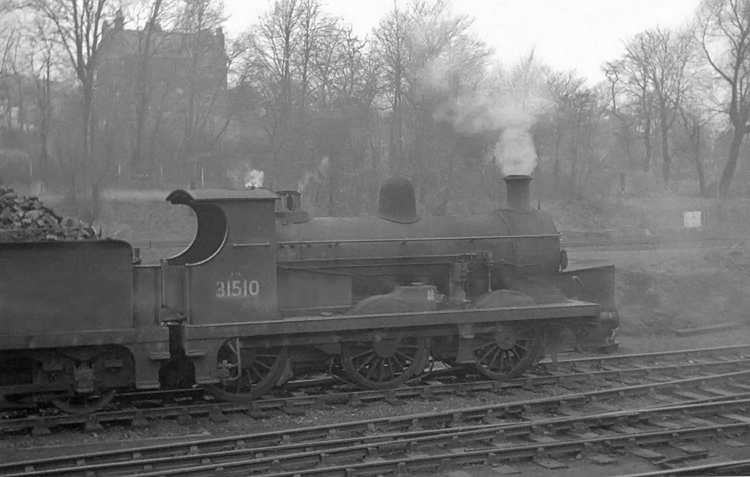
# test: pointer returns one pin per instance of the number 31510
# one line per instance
(237, 288)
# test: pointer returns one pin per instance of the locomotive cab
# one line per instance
(228, 273)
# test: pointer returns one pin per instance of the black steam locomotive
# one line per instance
(265, 291)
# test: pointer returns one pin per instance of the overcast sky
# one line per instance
(567, 34)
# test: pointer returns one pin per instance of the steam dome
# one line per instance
(397, 201)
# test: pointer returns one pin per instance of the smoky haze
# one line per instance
(489, 113)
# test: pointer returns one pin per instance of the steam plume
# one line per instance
(254, 178)
(515, 153)
(318, 174)
(502, 113)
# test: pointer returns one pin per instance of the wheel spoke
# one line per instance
(369, 360)
(372, 370)
(396, 361)
(406, 357)
(363, 353)
(503, 361)
(381, 370)
(262, 364)
(490, 350)
(248, 372)
(524, 345)
(391, 370)
(496, 354)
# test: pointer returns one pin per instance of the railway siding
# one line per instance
(598, 424)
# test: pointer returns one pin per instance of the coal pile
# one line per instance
(26, 219)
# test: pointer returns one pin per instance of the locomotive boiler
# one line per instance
(264, 292)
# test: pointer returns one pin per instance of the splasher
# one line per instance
(254, 179)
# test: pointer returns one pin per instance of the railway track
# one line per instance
(595, 386)
(664, 423)
(600, 372)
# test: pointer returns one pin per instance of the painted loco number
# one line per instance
(237, 288)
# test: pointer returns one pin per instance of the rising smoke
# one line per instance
(514, 152)
(501, 115)
(317, 175)
(254, 179)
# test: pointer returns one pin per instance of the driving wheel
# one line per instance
(384, 364)
(510, 348)
(248, 372)
(508, 351)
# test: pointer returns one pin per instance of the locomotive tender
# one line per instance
(264, 290)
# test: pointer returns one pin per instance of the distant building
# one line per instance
(185, 83)
(178, 62)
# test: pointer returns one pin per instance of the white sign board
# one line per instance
(692, 219)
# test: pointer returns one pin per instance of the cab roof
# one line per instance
(184, 197)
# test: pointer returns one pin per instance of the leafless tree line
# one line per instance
(317, 107)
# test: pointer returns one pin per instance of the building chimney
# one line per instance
(517, 187)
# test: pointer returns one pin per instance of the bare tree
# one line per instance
(633, 80)
(432, 64)
(343, 119)
(9, 40)
(391, 35)
(200, 23)
(41, 59)
(696, 111)
(564, 89)
(724, 34)
(620, 112)
(76, 26)
(659, 57)
(277, 43)
(143, 89)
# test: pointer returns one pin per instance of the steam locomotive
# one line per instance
(265, 291)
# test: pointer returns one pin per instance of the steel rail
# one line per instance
(733, 466)
(392, 424)
(311, 464)
(263, 459)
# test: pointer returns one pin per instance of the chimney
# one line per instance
(517, 187)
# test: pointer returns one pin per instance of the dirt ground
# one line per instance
(660, 292)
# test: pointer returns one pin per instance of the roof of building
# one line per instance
(126, 42)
